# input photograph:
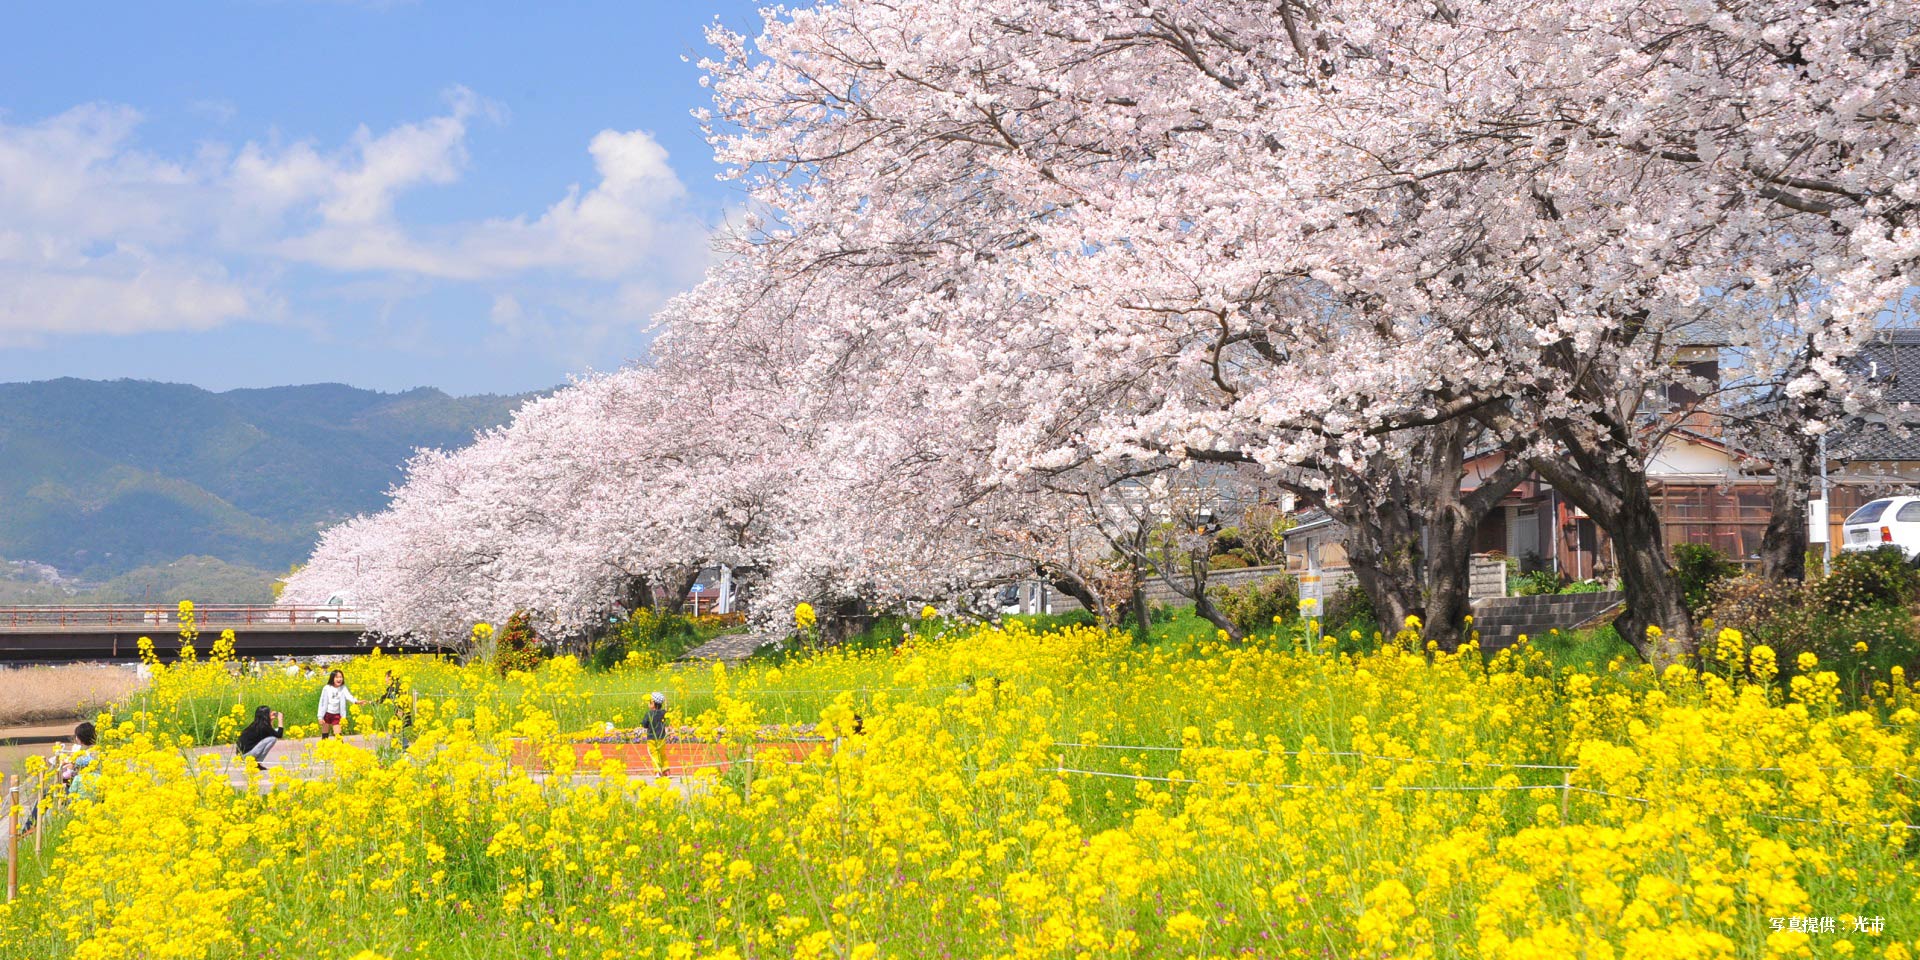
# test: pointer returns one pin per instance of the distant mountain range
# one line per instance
(134, 490)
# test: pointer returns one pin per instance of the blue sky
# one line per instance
(481, 197)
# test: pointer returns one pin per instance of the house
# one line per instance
(1704, 489)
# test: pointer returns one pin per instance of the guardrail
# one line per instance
(167, 618)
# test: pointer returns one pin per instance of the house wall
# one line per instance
(1683, 458)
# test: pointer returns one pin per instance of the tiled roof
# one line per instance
(1891, 361)
(1698, 333)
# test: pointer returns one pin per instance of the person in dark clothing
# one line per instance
(655, 721)
(260, 735)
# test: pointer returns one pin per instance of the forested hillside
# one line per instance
(115, 481)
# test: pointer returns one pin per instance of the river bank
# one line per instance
(43, 694)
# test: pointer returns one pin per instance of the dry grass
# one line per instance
(58, 693)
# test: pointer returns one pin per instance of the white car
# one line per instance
(338, 609)
(1889, 521)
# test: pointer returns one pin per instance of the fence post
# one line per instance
(39, 814)
(13, 836)
(1566, 787)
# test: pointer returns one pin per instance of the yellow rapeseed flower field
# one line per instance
(1014, 794)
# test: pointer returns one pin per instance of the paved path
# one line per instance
(294, 760)
(729, 648)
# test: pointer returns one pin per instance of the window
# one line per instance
(1870, 512)
(1909, 513)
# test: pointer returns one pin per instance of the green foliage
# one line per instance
(1042, 622)
(1851, 626)
(1535, 583)
(1262, 533)
(1859, 581)
(517, 647)
(1583, 586)
(1588, 651)
(1698, 567)
(656, 638)
(1226, 561)
(1257, 606)
(1228, 541)
(1349, 608)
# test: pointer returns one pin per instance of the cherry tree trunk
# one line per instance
(1614, 492)
(1382, 564)
(1783, 548)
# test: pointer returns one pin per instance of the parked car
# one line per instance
(1890, 521)
(339, 608)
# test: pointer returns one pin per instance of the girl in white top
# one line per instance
(334, 698)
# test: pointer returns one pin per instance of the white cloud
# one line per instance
(635, 216)
(126, 291)
(99, 236)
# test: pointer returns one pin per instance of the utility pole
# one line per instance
(1826, 503)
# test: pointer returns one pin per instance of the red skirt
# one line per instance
(330, 719)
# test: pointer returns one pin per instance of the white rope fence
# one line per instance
(1564, 787)
(1487, 764)
(616, 694)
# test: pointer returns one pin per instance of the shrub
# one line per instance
(1535, 583)
(1583, 586)
(1698, 567)
(517, 647)
(662, 636)
(610, 652)
(1349, 607)
(1254, 606)
(1226, 561)
(1861, 581)
(1860, 641)
(1227, 540)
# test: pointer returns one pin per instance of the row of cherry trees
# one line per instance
(1015, 267)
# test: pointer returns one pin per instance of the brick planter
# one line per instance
(680, 758)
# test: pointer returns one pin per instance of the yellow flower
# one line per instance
(1185, 926)
(928, 612)
(1860, 646)
(803, 617)
(1806, 661)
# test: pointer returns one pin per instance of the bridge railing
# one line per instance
(167, 619)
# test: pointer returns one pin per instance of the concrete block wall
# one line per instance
(1158, 592)
(1501, 620)
(1486, 577)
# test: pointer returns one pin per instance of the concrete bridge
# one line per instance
(56, 634)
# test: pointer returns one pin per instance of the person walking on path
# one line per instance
(655, 723)
(334, 698)
(260, 736)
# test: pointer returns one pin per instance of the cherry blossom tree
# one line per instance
(1001, 265)
(1517, 208)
